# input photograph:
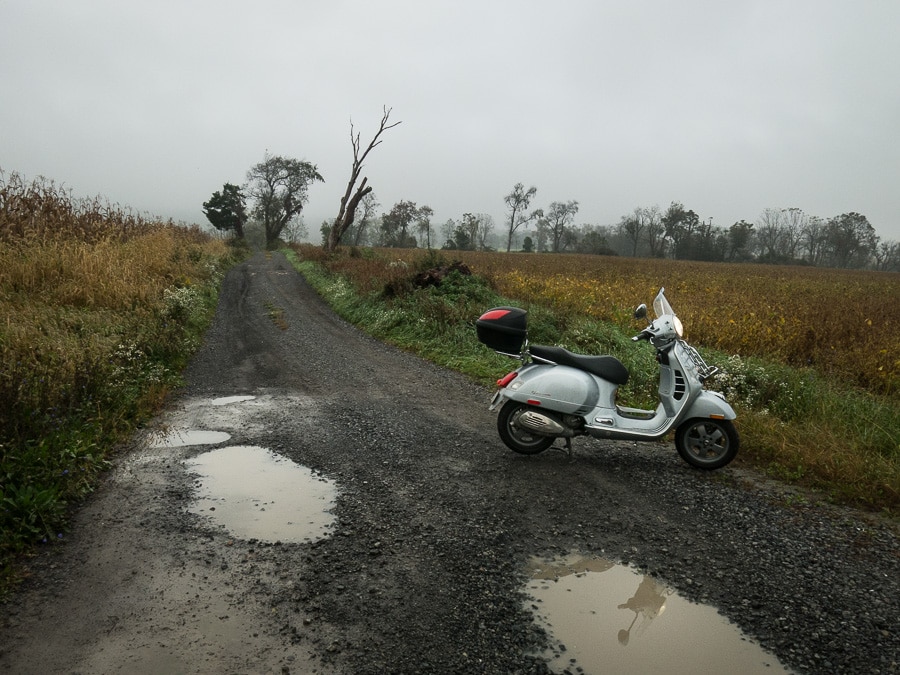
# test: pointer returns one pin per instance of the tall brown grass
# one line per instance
(99, 308)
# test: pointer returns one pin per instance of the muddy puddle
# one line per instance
(605, 617)
(253, 493)
(194, 424)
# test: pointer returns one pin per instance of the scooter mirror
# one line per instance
(641, 311)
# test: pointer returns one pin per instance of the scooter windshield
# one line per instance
(661, 306)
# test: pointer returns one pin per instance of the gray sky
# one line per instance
(727, 107)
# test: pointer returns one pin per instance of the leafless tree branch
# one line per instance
(347, 211)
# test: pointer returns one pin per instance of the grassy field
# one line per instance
(844, 323)
(810, 357)
(100, 310)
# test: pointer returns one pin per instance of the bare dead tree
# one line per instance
(349, 203)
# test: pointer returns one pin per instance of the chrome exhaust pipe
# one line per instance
(544, 425)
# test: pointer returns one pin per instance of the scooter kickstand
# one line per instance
(569, 449)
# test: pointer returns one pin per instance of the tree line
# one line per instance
(277, 190)
(778, 236)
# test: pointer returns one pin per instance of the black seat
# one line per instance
(607, 367)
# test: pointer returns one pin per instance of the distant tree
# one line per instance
(350, 201)
(557, 222)
(709, 243)
(770, 235)
(740, 237)
(541, 238)
(813, 244)
(325, 229)
(631, 227)
(679, 225)
(851, 240)
(654, 231)
(462, 240)
(227, 210)
(395, 225)
(295, 230)
(794, 222)
(518, 202)
(594, 242)
(485, 231)
(447, 230)
(423, 224)
(466, 233)
(887, 256)
(279, 187)
(478, 227)
(528, 245)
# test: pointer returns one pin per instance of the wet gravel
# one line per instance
(436, 519)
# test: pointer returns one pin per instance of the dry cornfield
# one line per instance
(843, 323)
(77, 279)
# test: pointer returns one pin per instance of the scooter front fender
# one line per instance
(710, 404)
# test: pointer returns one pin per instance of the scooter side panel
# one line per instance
(560, 388)
(667, 390)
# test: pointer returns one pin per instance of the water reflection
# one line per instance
(255, 494)
(605, 617)
(647, 603)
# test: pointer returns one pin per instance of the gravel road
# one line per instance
(423, 571)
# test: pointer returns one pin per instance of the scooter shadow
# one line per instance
(636, 456)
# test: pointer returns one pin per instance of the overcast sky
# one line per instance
(727, 107)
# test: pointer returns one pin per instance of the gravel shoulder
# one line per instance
(435, 522)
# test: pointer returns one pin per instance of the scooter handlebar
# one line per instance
(643, 335)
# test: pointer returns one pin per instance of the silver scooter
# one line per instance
(559, 394)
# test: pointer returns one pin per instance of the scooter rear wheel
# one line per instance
(706, 443)
(520, 440)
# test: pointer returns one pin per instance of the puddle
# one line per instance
(179, 438)
(254, 493)
(228, 400)
(612, 619)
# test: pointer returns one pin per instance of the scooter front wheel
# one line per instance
(520, 440)
(707, 443)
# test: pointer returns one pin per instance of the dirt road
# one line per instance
(422, 569)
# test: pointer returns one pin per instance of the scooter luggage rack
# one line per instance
(704, 371)
(523, 355)
(536, 359)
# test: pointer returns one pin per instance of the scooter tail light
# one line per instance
(506, 379)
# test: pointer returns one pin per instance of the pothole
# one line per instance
(605, 617)
(253, 493)
(179, 438)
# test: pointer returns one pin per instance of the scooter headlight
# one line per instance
(679, 328)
